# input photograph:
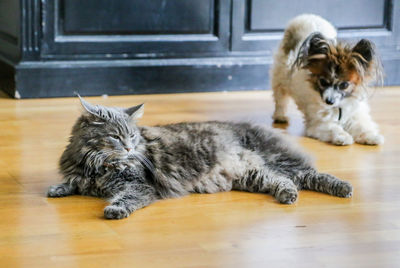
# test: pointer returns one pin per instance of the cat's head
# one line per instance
(103, 135)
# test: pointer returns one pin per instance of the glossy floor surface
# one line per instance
(233, 229)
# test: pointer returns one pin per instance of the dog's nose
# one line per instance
(329, 101)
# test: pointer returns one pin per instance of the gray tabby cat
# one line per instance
(109, 156)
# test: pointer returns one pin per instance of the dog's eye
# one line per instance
(343, 85)
(323, 82)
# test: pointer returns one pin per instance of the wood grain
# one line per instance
(233, 229)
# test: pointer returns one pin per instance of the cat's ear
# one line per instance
(135, 112)
(92, 109)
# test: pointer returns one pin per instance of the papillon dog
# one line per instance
(328, 80)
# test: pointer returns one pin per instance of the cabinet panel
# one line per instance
(8, 19)
(128, 29)
(267, 15)
(258, 25)
(137, 16)
(9, 29)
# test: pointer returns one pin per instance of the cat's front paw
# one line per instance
(342, 138)
(115, 168)
(115, 212)
(114, 165)
(58, 191)
(287, 196)
(370, 139)
(344, 189)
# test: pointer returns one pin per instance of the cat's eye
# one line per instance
(343, 85)
(323, 82)
(115, 137)
(133, 136)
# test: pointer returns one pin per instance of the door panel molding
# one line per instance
(248, 37)
(60, 44)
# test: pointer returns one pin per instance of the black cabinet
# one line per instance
(55, 47)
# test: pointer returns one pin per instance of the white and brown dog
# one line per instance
(328, 81)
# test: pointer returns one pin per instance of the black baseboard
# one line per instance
(122, 77)
(62, 79)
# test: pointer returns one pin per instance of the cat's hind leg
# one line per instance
(326, 183)
(265, 181)
(61, 190)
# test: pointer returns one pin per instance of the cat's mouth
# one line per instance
(117, 156)
(124, 156)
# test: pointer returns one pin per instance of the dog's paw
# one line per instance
(342, 138)
(280, 119)
(370, 139)
(344, 189)
(287, 196)
(115, 212)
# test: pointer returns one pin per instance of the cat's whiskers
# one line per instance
(144, 161)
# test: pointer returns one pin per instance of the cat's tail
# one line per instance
(326, 183)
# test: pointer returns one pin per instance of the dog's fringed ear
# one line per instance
(364, 52)
(367, 62)
(135, 112)
(315, 47)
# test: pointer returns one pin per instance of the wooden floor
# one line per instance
(233, 229)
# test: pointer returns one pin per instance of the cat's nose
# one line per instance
(127, 149)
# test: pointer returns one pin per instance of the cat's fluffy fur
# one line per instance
(109, 156)
(323, 76)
